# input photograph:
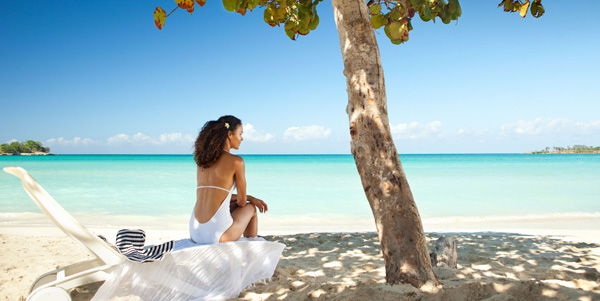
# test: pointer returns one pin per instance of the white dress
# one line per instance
(194, 272)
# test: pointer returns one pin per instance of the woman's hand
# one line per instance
(258, 203)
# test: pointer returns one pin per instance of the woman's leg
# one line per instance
(242, 217)
(252, 228)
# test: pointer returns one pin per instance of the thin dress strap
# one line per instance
(228, 190)
(212, 187)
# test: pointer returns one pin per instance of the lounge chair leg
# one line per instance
(50, 294)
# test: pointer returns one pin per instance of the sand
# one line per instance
(349, 266)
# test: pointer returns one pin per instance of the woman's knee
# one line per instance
(248, 211)
(252, 208)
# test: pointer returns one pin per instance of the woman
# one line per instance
(218, 173)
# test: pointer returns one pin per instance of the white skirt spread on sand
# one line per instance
(194, 272)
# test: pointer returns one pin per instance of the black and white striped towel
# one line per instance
(131, 244)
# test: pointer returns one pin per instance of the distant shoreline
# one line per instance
(28, 154)
(576, 149)
(563, 152)
(241, 154)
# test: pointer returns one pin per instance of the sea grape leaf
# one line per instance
(426, 13)
(280, 13)
(507, 5)
(396, 31)
(231, 5)
(395, 14)
(537, 10)
(314, 23)
(252, 4)
(186, 4)
(303, 31)
(455, 10)
(290, 34)
(159, 17)
(524, 8)
(304, 20)
(269, 16)
(375, 9)
(378, 20)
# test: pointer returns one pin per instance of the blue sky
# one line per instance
(98, 77)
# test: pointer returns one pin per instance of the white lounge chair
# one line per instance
(190, 272)
(78, 274)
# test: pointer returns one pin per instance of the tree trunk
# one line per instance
(396, 216)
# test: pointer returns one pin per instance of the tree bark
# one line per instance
(396, 216)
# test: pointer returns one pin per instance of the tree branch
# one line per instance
(172, 11)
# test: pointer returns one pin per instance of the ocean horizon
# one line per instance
(310, 192)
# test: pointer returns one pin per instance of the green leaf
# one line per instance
(378, 20)
(159, 17)
(268, 16)
(291, 34)
(252, 4)
(524, 9)
(425, 13)
(446, 18)
(231, 5)
(304, 19)
(291, 25)
(303, 31)
(458, 9)
(395, 14)
(454, 7)
(537, 10)
(314, 23)
(307, 9)
(280, 14)
(375, 9)
(396, 31)
(397, 42)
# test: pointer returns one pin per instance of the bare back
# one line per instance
(220, 174)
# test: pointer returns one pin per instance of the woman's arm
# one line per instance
(260, 204)
(240, 180)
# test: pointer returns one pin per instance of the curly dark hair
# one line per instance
(211, 140)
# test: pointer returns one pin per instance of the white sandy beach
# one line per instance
(349, 266)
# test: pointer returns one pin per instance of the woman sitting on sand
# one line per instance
(218, 173)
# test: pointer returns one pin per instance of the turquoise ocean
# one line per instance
(304, 191)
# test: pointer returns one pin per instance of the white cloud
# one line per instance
(253, 135)
(141, 139)
(175, 138)
(119, 138)
(74, 141)
(306, 133)
(556, 126)
(467, 131)
(124, 139)
(415, 130)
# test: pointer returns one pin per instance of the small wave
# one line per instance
(288, 224)
(550, 217)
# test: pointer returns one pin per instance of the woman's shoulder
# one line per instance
(233, 158)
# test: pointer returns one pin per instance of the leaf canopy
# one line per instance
(299, 17)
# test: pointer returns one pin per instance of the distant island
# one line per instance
(576, 149)
(29, 147)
